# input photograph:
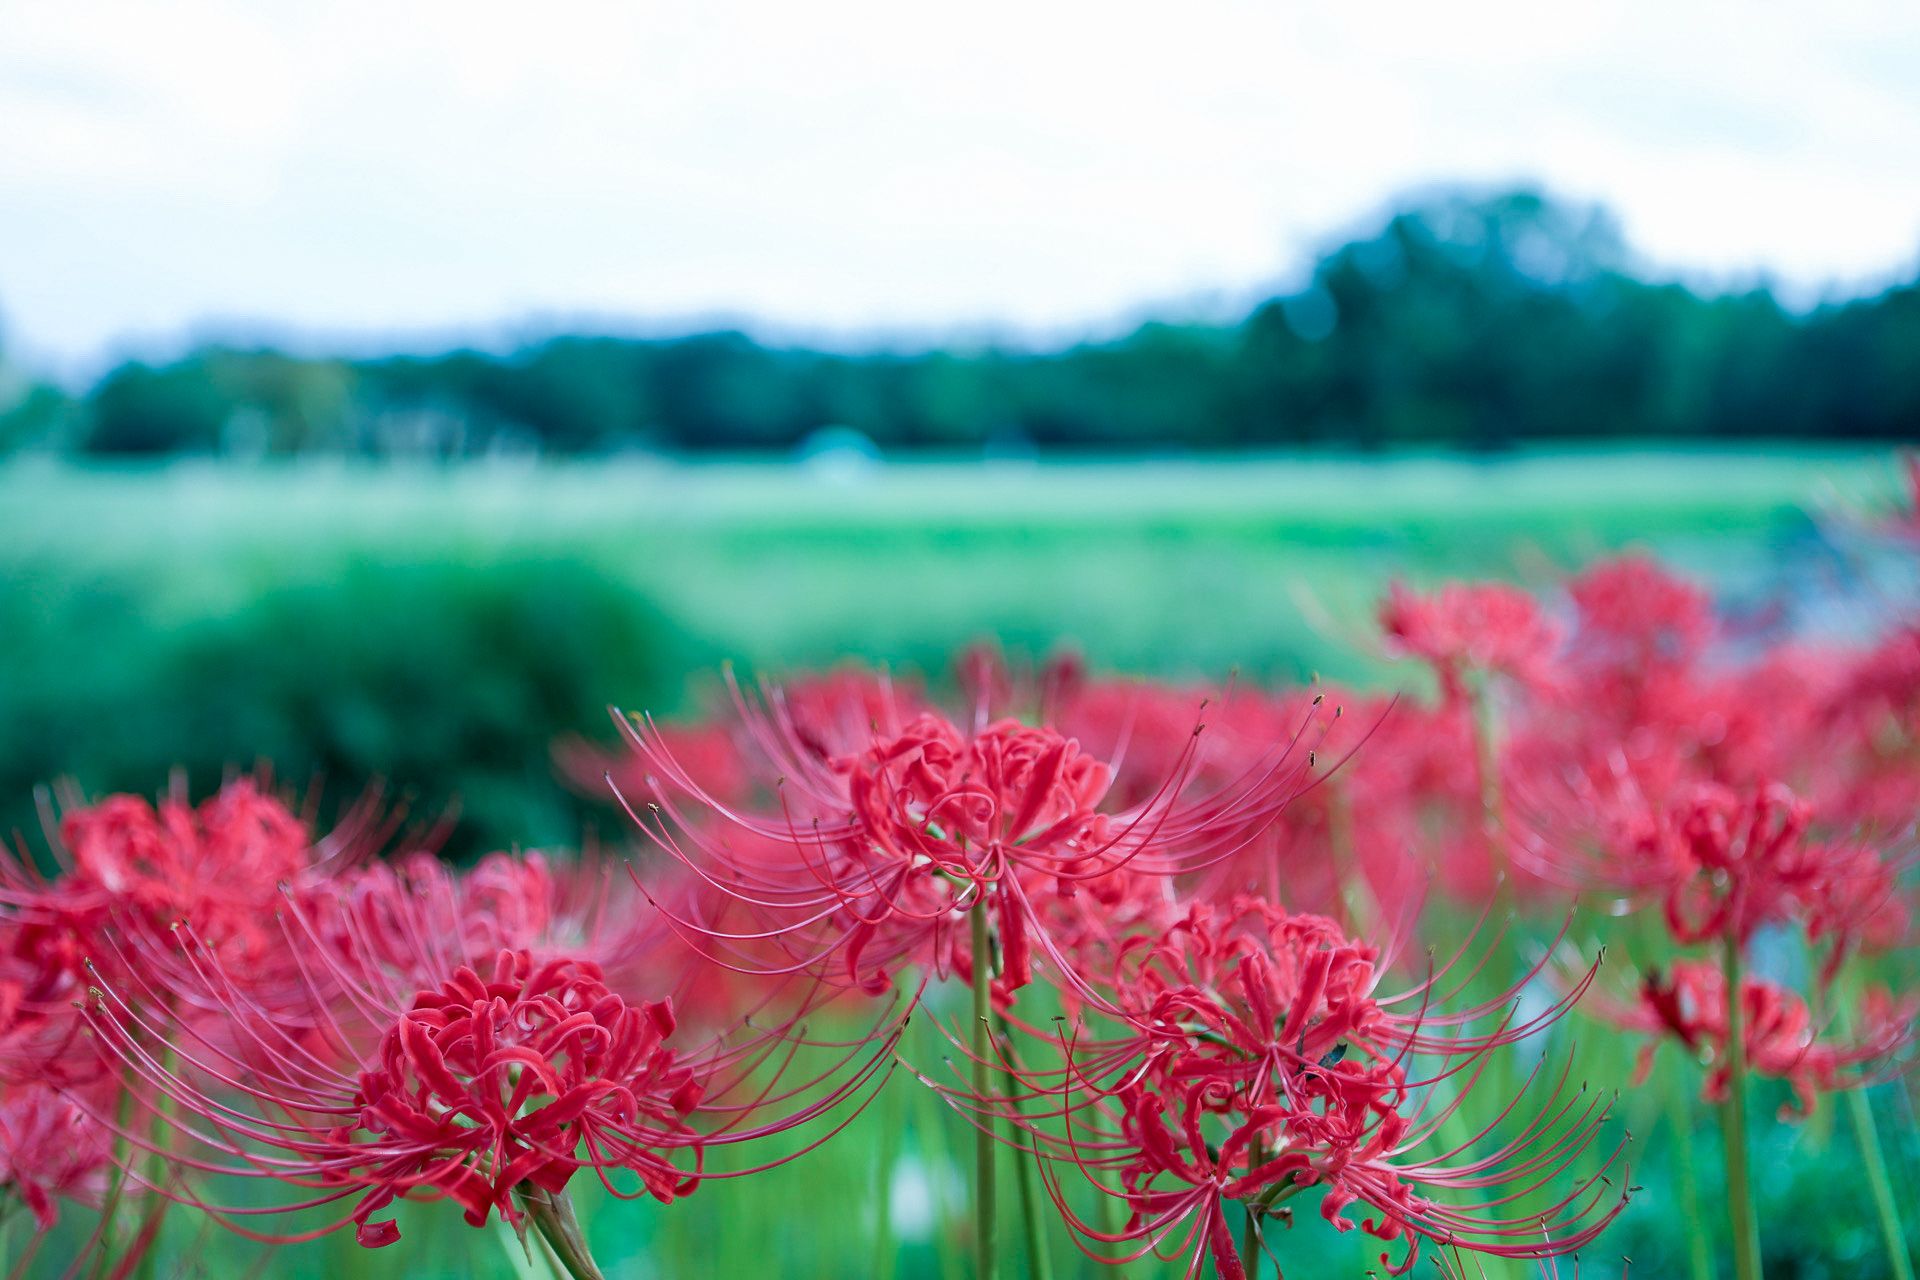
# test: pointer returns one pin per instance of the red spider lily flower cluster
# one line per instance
(1731, 788)
(880, 841)
(519, 1071)
(221, 994)
(1778, 1032)
(1250, 1056)
(1227, 1045)
(129, 868)
(1468, 627)
(1185, 918)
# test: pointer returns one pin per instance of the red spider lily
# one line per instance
(1252, 1059)
(1636, 620)
(1724, 864)
(459, 1073)
(1484, 626)
(1646, 713)
(477, 1086)
(128, 872)
(215, 865)
(1853, 902)
(412, 1067)
(1740, 861)
(878, 853)
(50, 1149)
(1780, 1036)
(1862, 743)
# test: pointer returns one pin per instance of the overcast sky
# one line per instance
(400, 168)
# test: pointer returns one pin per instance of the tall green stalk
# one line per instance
(1039, 1264)
(984, 1154)
(1680, 1118)
(1486, 759)
(1873, 1162)
(930, 1128)
(885, 1250)
(1875, 1167)
(1250, 1232)
(117, 1181)
(160, 1135)
(1733, 1120)
(1108, 1207)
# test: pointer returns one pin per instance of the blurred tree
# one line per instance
(1468, 319)
(139, 409)
(32, 414)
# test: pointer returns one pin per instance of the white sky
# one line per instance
(350, 168)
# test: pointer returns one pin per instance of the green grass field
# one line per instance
(438, 627)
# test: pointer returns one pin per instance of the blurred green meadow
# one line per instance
(439, 628)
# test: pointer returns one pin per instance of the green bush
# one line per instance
(448, 680)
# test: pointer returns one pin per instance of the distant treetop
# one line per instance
(1465, 320)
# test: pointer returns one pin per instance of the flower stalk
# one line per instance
(1875, 1166)
(983, 1147)
(553, 1217)
(1733, 1118)
(1680, 1118)
(1039, 1265)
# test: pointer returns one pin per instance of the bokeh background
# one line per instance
(386, 392)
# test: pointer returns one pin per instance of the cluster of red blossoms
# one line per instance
(1757, 799)
(1153, 871)
(1186, 924)
(192, 995)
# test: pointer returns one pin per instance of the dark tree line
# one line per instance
(1466, 321)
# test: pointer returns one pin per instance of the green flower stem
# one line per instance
(160, 1135)
(1251, 1254)
(1039, 1263)
(930, 1127)
(519, 1254)
(1486, 758)
(1733, 1119)
(117, 1184)
(27, 1255)
(984, 1154)
(552, 1215)
(1112, 1224)
(1680, 1119)
(1873, 1161)
(886, 1150)
(1877, 1182)
(1250, 1231)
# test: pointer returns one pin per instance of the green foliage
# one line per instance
(449, 685)
(1468, 320)
(438, 629)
